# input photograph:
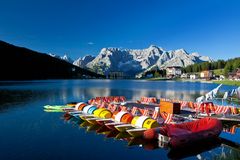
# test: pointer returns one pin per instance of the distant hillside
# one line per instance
(220, 65)
(17, 63)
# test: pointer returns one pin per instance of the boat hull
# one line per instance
(124, 127)
(186, 133)
(103, 121)
(84, 117)
(136, 132)
(112, 125)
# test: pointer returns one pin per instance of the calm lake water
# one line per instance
(27, 132)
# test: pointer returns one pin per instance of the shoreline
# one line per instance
(198, 80)
(227, 82)
(224, 82)
(179, 80)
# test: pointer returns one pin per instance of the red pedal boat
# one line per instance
(186, 133)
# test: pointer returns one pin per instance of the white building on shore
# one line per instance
(173, 71)
(194, 76)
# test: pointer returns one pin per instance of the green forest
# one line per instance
(228, 66)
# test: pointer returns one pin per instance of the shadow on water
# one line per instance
(194, 149)
(10, 99)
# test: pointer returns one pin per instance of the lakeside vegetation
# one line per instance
(232, 65)
(225, 82)
(220, 67)
(157, 79)
(218, 72)
(156, 74)
(198, 67)
(228, 82)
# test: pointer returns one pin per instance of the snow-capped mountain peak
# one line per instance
(82, 62)
(196, 54)
(54, 55)
(66, 58)
(134, 61)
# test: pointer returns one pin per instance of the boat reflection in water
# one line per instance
(230, 127)
(217, 148)
(194, 149)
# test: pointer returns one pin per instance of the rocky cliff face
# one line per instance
(82, 62)
(136, 61)
(132, 61)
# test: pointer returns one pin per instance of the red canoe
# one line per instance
(189, 132)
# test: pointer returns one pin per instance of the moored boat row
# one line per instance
(113, 115)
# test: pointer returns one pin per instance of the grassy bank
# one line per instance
(157, 79)
(225, 82)
(228, 82)
(195, 80)
(218, 72)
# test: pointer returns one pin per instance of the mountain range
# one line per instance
(29, 64)
(134, 62)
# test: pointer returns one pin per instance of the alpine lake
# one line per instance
(27, 132)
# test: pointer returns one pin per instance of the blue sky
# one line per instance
(210, 27)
